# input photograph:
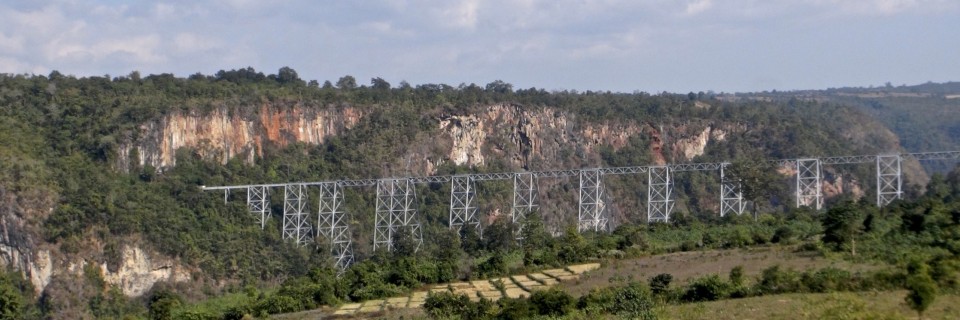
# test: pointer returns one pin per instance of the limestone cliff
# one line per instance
(222, 135)
(531, 136)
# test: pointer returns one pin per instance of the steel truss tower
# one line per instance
(731, 198)
(888, 179)
(396, 212)
(592, 213)
(525, 199)
(659, 194)
(258, 201)
(808, 183)
(295, 224)
(333, 224)
(463, 207)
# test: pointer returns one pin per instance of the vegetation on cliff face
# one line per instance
(60, 141)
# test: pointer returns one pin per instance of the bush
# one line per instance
(829, 280)
(707, 288)
(597, 301)
(660, 283)
(784, 235)
(552, 302)
(634, 301)
(519, 308)
(773, 280)
(443, 305)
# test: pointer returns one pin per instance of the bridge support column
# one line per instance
(463, 208)
(592, 213)
(731, 198)
(332, 223)
(888, 179)
(396, 212)
(258, 202)
(808, 183)
(295, 224)
(525, 199)
(659, 194)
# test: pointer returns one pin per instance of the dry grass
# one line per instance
(687, 265)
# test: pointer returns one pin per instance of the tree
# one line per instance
(921, 289)
(759, 181)
(499, 86)
(11, 301)
(162, 303)
(842, 224)
(379, 84)
(347, 83)
(287, 75)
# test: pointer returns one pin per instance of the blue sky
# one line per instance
(646, 45)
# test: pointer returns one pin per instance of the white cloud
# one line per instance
(186, 42)
(11, 44)
(462, 15)
(885, 7)
(698, 6)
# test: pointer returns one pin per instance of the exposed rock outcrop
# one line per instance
(138, 272)
(223, 135)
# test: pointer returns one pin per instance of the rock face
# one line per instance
(138, 272)
(21, 246)
(223, 135)
(527, 135)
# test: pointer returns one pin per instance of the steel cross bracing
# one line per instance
(731, 198)
(659, 199)
(332, 224)
(295, 224)
(936, 155)
(888, 179)
(525, 194)
(258, 201)
(808, 183)
(592, 213)
(396, 212)
(463, 207)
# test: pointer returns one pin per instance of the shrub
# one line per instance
(829, 279)
(597, 301)
(511, 308)
(634, 301)
(708, 288)
(660, 283)
(443, 305)
(552, 302)
(784, 235)
(774, 280)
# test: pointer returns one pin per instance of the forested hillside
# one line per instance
(100, 176)
(925, 117)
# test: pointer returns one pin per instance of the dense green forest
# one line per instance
(60, 135)
(925, 117)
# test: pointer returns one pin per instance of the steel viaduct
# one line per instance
(396, 197)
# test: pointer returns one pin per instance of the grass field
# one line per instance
(687, 265)
(845, 305)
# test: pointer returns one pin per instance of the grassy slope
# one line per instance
(687, 265)
(846, 305)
